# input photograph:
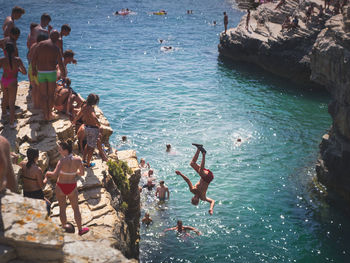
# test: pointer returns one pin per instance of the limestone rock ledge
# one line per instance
(284, 53)
(29, 236)
(330, 65)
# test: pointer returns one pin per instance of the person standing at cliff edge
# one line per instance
(225, 21)
(248, 19)
(9, 22)
(45, 58)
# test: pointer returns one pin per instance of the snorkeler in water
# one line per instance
(201, 187)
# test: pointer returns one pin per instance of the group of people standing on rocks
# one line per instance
(50, 90)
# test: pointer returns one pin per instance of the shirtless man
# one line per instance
(40, 29)
(65, 31)
(147, 219)
(149, 185)
(201, 187)
(32, 26)
(225, 21)
(68, 58)
(7, 176)
(45, 59)
(92, 126)
(9, 22)
(12, 37)
(182, 229)
(34, 79)
(161, 191)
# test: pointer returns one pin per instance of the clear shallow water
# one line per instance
(266, 210)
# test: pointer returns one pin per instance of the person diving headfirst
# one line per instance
(201, 187)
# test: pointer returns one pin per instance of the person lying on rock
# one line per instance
(182, 229)
(92, 127)
(201, 187)
(66, 172)
(7, 176)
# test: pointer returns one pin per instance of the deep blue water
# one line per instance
(267, 209)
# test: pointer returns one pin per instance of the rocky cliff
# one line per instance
(285, 53)
(316, 53)
(330, 65)
(27, 235)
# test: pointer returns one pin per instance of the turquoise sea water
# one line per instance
(266, 207)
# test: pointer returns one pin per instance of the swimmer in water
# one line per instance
(201, 187)
(143, 165)
(161, 191)
(182, 229)
(147, 219)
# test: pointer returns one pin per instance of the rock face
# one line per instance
(331, 66)
(285, 53)
(319, 53)
(29, 235)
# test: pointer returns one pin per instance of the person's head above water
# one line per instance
(54, 36)
(195, 200)
(168, 147)
(179, 224)
(150, 172)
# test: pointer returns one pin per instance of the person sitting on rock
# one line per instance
(67, 100)
(32, 177)
(286, 24)
(295, 23)
(92, 126)
(200, 189)
(66, 172)
(7, 176)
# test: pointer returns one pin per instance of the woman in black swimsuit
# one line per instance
(32, 176)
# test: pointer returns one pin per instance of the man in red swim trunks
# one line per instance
(201, 187)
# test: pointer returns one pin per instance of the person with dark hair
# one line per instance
(65, 31)
(32, 176)
(9, 22)
(34, 82)
(200, 189)
(66, 172)
(65, 97)
(92, 126)
(68, 58)
(161, 191)
(7, 176)
(40, 29)
(225, 21)
(13, 37)
(32, 26)
(11, 65)
(182, 229)
(45, 58)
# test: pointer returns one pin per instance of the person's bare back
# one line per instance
(46, 55)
